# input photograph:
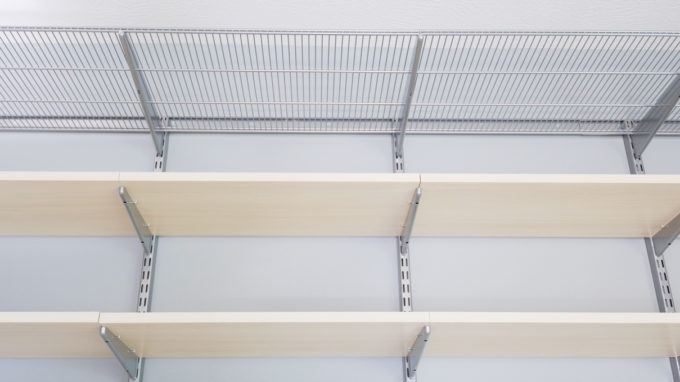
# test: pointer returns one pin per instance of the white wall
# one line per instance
(325, 274)
(478, 15)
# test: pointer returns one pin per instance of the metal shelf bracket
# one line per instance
(407, 229)
(142, 229)
(398, 138)
(415, 353)
(150, 115)
(126, 356)
(665, 237)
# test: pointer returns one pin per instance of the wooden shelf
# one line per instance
(547, 205)
(356, 334)
(261, 204)
(51, 335)
(206, 204)
(267, 334)
(554, 335)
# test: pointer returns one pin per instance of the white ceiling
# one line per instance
(479, 15)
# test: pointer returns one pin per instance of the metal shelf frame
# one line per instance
(181, 80)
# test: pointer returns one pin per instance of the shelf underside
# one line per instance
(299, 204)
(335, 82)
(329, 334)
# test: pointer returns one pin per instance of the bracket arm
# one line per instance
(413, 77)
(142, 229)
(142, 93)
(665, 237)
(126, 356)
(415, 353)
(406, 231)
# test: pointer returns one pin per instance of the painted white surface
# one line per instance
(275, 274)
(577, 15)
(284, 153)
(656, 157)
(35, 151)
(566, 154)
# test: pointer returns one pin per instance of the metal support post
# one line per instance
(405, 299)
(404, 257)
(655, 247)
(150, 115)
(126, 356)
(149, 244)
(398, 138)
(415, 353)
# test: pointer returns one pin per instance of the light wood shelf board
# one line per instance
(325, 334)
(261, 204)
(51, 335)
(62, 204)
(554, 335)
(546, 205)
(308, 204)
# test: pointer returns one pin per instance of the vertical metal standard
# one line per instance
(404, 257)
(398, 138)
(126, 356)
(657, 263)
(149, 244)
(655, 117)
(405, 298)
(150, 115)
(415, 353)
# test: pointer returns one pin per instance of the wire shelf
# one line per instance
(334, 82)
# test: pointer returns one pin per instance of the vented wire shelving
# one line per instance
(335, 82)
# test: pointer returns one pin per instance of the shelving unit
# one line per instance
(159, 81)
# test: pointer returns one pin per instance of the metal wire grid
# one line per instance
(276, 82)
(546, 82)
(335, 81)
(65, 80)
